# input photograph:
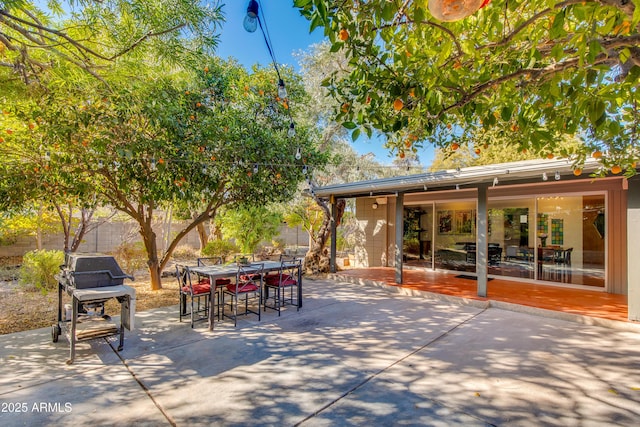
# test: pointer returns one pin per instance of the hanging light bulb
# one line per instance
(557, 176)
(305, 169)
(116, 165)
(544, 176)
(204, 170)
(153, 164)
(255, 168)
(292, 130)
(100, 164)
(47, 156)
(298, 154)
(250, 23)
(282, 90)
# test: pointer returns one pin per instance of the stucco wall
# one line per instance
(371, 246)
(107, 237)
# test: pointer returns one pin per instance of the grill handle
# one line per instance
(111, 275)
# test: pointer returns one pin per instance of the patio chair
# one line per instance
(194, 293)
(248, 286)
(285, 285)
(220, 282)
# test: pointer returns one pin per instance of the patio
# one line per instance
(573, 302)
(354, 355)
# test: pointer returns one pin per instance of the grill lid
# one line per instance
(93, 271)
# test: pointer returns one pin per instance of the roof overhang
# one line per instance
(465, 178)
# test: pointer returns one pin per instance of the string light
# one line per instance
(544, 176)
(255, 168)
(495, 181)
(251, 22)
(153, 164)
(282, 90)
(557, 176)
(298, 154)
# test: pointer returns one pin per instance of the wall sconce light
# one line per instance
(557, 176)
(374, 205)
(544, 176)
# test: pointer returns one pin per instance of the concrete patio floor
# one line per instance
(353, 355)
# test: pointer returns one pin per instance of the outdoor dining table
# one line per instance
(214, 272)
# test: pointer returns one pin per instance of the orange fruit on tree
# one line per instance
(9, 131)
(32, 126)
(192, 117)
(616, 169)
(345, 107)
(343, 35)
(206, 69)
(1, 140)
(407, 143)
(577, 172)
(550, 156)
(455, 146)
(633, 165)
(401, 154)
(597, 154)
(198, 104)
(278, 175)
(477, 151)
(398, 104)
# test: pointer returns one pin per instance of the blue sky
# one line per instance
(289, 33)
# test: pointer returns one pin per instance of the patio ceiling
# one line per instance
(465, 178)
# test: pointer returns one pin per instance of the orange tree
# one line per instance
(206, 138)
(535, 70)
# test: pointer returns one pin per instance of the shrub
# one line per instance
(39, 268)
(221, 248)
(184, 253)
(131, 256)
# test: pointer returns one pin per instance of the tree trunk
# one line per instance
(149, 239)
(39, 229)
(317, 259)
(202, 235)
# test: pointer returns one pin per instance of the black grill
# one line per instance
(92, 271)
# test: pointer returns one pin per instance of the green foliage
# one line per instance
(220, 248)
(39, 267)
(89, 36)
(249, 225)
(29, 221)
(131, 256)
(532, 70)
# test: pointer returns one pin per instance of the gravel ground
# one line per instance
(23, 309)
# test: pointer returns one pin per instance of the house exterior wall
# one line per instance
(377, 248)
(373, 227)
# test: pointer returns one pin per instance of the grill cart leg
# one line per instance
(72, 335)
